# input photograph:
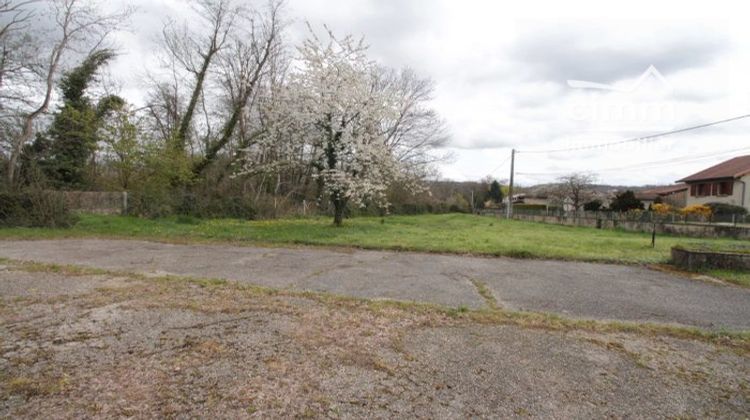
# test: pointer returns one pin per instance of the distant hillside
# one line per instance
(541, 190)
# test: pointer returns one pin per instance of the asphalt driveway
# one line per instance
(573, 289)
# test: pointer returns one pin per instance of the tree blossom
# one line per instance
(332, 109)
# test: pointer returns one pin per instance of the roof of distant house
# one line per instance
(732, 168)
(652, 193)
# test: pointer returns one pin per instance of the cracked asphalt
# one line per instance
(572, 289)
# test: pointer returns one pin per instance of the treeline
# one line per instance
(237, 122)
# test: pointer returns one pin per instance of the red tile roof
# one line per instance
(652, 193)
(733, 168)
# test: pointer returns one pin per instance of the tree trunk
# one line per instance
(338, 210)
(17, 147)
(226, 133)
(10, 171)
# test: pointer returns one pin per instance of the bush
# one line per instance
(10, 208)
(151, 203)
(625, 202)
(697, 210)
(215, 206)
(661, 209)
(458, 204)
(593, 205)
(723, 209)
(35, 208)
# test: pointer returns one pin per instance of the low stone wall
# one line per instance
(696, 230)
(694, 260)
(100, 202)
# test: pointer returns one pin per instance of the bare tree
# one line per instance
(165, 108)
(574, 189)
(195, 51)
(78, 27)
(16, 60)
(416, 130)
(242, 66)
(15, 17)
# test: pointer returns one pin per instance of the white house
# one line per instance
(726, 183)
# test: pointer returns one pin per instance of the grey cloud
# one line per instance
(574, 52)
(387, 26)
(489, 142)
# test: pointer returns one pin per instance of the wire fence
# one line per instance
(634, 216)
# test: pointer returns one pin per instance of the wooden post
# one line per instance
(510, 185)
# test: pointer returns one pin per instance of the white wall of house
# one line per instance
(735, 198)
(676, 199)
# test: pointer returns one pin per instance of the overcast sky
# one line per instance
(502, 72)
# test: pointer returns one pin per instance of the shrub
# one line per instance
(458, 204)
(626, 201)
(35, 208)
(661, 209)
(10, 208)
(151, 203)
(593, 205)
(697, 210)
(723, 209)
(216, 206)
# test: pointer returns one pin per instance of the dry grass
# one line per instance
(176, 346)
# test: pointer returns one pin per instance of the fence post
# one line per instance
(124, 203)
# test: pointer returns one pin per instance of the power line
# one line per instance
(637, 139)
(500, 166)
(675, 161)
(646, 165)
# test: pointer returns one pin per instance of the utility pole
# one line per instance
(510, 186)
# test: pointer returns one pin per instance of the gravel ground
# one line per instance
(574, 289)
(97, 346)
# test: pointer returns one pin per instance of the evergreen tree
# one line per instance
(496, 192)
(64, 151)
(626, 201)
(593, 205)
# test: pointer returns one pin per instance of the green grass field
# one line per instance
(454, 233)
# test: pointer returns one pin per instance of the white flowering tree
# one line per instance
(334, 105)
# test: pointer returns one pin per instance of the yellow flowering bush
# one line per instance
(697, 210)
(662, 209)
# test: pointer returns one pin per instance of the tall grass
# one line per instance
(453, 233)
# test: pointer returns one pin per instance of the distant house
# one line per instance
(674, 195)
(722, 183)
